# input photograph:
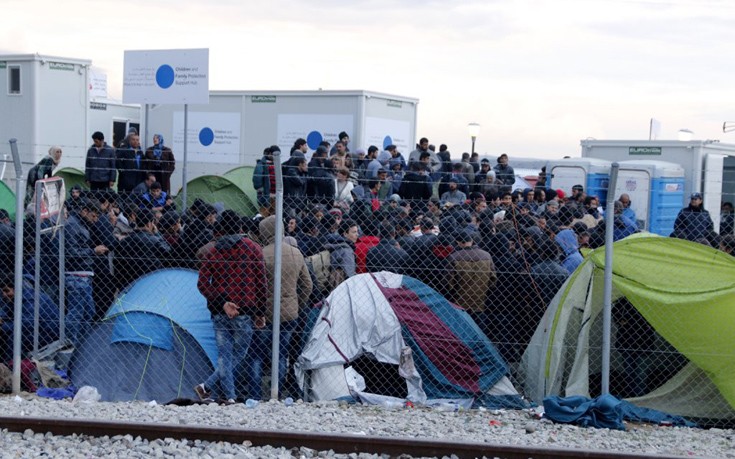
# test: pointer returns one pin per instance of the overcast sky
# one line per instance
(538, 76)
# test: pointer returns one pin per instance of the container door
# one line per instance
(714, 167)
(565, 177)
(637, 185)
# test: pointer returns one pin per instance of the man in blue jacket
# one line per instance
(99, 168)
(80, 253)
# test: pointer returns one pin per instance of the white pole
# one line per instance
(607, 292)
(18, 300)
(277, 277)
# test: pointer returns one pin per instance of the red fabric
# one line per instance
(26, 374)
(452, 357)
(361, 249)
(272, 176)
(235, 274)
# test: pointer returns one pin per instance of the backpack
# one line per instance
(320, 264)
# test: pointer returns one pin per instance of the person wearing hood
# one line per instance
(396, 174)
(396, 156)
(43, 169)
(571, 258)
(342, 251)
(233, 280)
(159, 159)
(296, 286)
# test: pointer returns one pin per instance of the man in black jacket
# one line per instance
(320, 185)
(141, 252)
(129, 162)
(99, 169)
(416, 186)
(295, 179)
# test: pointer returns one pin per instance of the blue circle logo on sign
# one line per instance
(206, 136)
(314, 139)
(387, 141)
(165, 76)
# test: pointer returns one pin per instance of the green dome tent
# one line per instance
(685, 293)
(72, 176)
(214, 189)
(7, 199)
(243, 177)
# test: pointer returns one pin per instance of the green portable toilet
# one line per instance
(7, 199)
(214, 189)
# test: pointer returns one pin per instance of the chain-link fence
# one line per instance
(493, 294)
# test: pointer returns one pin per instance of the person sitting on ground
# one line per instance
(141, 252)
(48, 317)
(157, 200)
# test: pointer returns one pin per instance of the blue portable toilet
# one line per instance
(656, 190)
(592, 173)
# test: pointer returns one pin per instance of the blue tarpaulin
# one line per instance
(605, 411)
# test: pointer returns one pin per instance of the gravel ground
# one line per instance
(495, 427)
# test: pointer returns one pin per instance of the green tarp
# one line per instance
(215, 189)
(71, 176)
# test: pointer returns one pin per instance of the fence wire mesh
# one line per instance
(165, 303)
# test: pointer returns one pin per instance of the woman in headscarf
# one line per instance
(160, 161)
(42, 170)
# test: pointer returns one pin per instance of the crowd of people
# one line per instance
(459, 227)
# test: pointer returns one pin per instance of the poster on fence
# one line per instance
(52, 192)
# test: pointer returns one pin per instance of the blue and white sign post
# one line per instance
(173, 76)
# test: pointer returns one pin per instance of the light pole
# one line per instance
(473, 129)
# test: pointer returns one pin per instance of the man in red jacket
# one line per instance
(232, 279)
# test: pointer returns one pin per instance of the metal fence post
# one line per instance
(607, 293)
(277, 276)
(18, 300)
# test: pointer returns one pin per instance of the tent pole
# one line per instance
(607, 293)
(277, 277)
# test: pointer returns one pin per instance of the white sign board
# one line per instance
(175, 76)
(214, 137)
(53, 193)
(313, 128)
(382, 132)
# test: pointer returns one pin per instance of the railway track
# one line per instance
(339, 443)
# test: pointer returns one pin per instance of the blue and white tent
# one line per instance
(435, 346)
(156, 342)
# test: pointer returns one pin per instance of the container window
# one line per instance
(13, 79)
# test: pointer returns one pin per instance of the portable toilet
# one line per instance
(592, 173)
(656, 190)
